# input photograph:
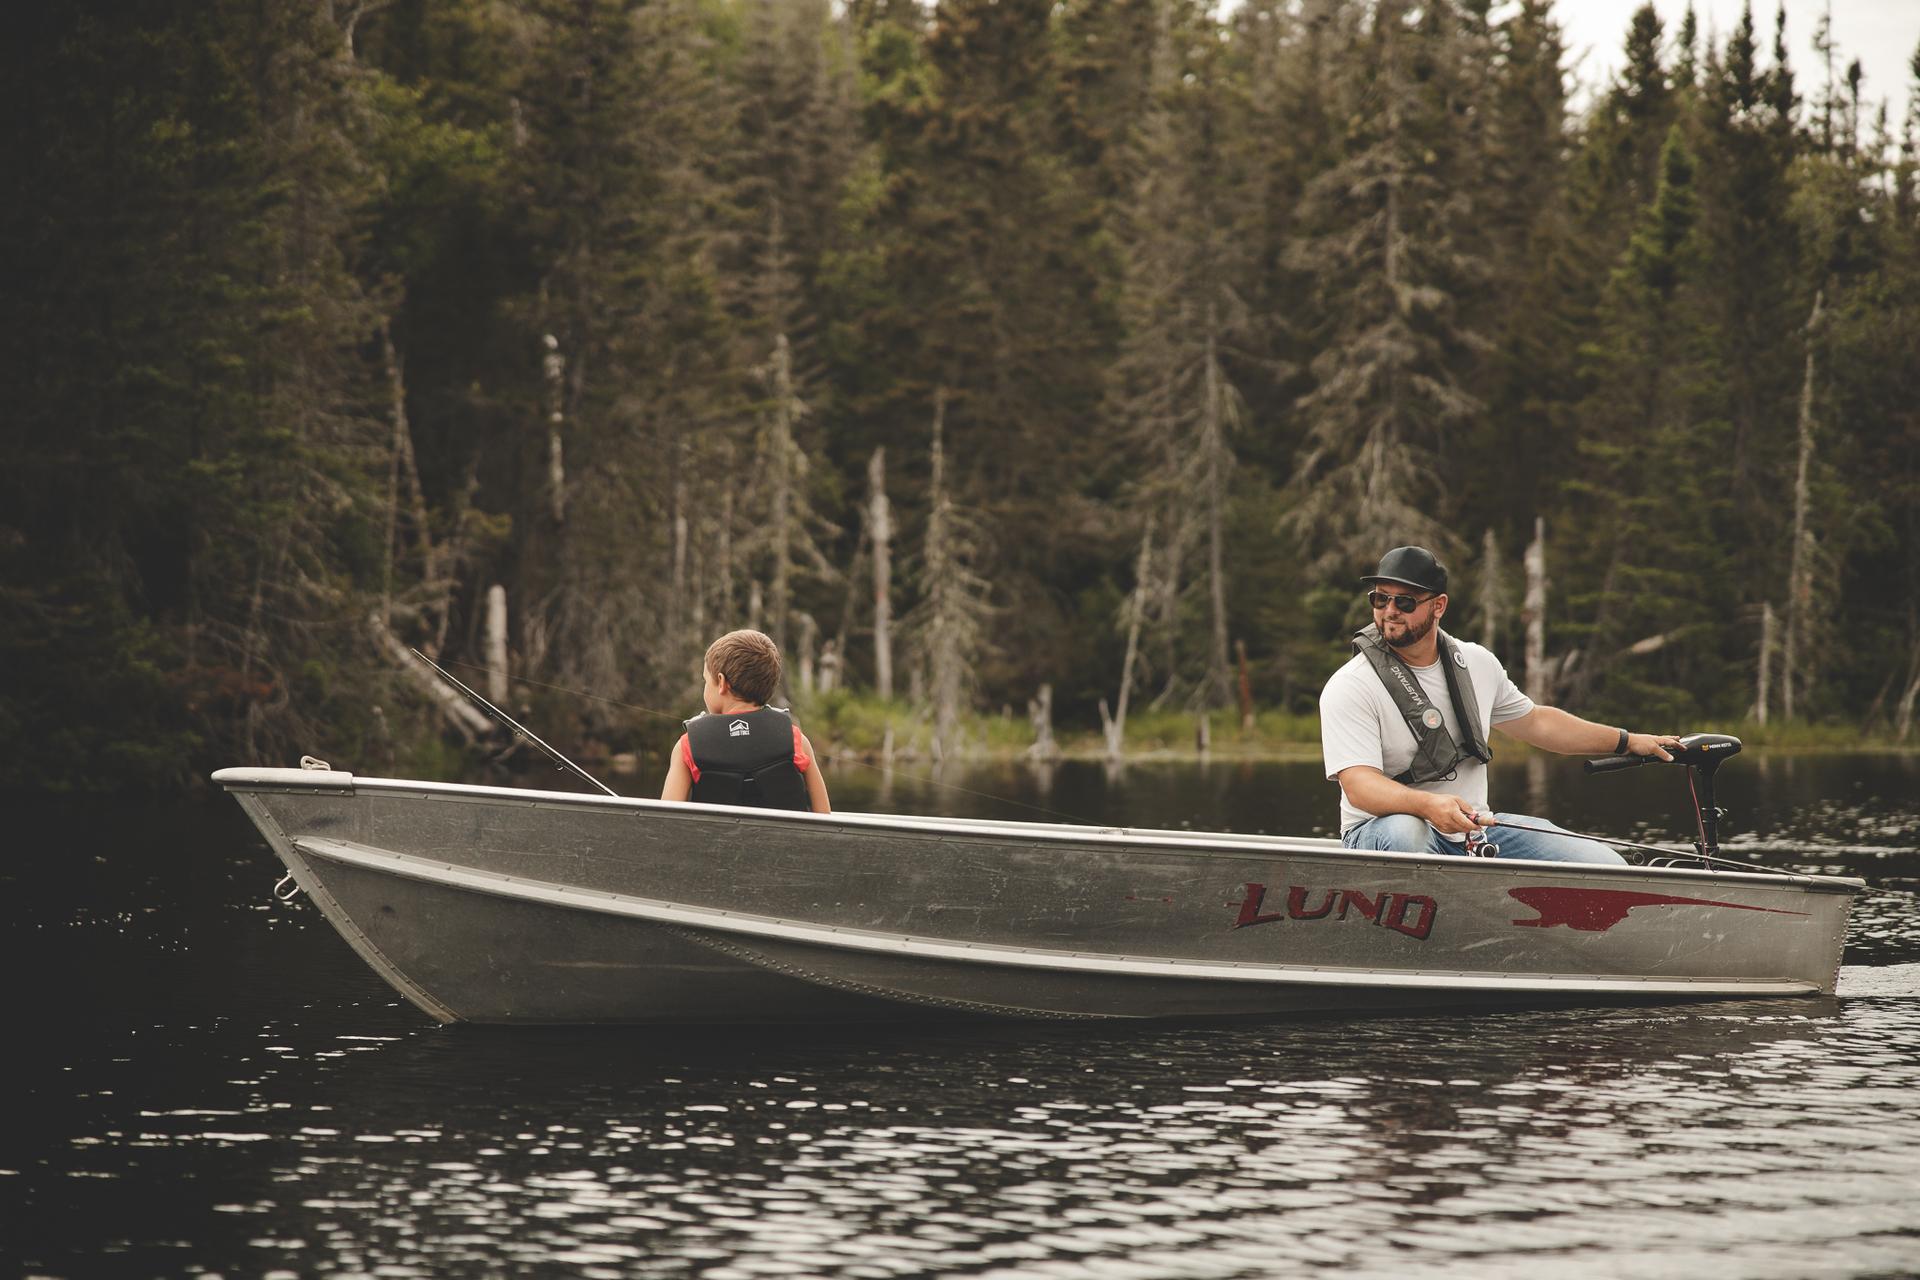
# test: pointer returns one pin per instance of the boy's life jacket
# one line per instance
(746, 759)
(1436, 755)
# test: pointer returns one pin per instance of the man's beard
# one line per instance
(1414, 634)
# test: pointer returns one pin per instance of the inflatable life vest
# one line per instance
(746, 759)
(1436, 755)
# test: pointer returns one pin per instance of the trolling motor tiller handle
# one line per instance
(1703, 753)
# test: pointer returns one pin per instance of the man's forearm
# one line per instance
(1377, 794)
(1374, 792)
(1552, 729)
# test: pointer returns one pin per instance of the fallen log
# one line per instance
(461, 714)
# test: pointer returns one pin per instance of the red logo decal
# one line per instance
(1389, 910)
(1598, 910)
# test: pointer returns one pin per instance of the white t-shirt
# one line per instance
(1359, 724)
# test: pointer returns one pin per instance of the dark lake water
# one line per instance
(207, 1082)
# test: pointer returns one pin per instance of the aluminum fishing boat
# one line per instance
(495, 905)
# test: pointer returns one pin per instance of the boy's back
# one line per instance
(742, 751)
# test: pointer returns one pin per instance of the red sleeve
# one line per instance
(685, 749)
(801, 760)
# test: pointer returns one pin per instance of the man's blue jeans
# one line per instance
(1404, 833)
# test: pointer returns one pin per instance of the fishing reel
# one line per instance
(1701, 754)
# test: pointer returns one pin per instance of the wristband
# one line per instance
(1620, 747)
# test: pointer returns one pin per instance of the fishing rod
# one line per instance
(1698, 753)
(513, 724)
(1682, 854)
(1662, 850)
(1488, 820)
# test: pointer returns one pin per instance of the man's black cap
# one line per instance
(1412, 567)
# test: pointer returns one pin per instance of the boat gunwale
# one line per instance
(1206, 843)
(674, 915)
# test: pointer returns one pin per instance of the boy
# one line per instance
(743, 751)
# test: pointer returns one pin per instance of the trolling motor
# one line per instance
(1701, 754)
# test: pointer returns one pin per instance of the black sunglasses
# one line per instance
(1405, 604)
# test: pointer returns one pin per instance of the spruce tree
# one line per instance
(1861, 223)
(1104, 51)
(196, 462)
(794, 151)
(1747, 153)
(624, 129)
(990, 293)
(1532, 304)
(1645, 490)
(1184, 248)
(1388, 245)
(1612, 176)
(949, 624)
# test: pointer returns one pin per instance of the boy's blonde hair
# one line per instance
(748, 661)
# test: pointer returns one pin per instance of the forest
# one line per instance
(987, 354)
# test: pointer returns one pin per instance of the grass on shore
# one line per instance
(859, 724)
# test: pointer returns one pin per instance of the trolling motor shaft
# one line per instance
(1701, 754)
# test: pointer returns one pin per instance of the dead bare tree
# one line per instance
(679, 607)
(1796, 649)
(791, 518)
(1491, 590)
(1246, 687)
(950, 620)
(1114, 726)
(1763, 695)
(554, 367)
(880, 528)
(436, 577)
(1903, 710)
(1534, 613)
(835, 647)
(809, 637)
(496, 643)
(1040, 714)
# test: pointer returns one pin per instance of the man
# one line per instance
(1404, 729)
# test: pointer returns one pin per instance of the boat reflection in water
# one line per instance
(485, 904)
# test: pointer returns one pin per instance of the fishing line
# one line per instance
(883, 770)
(513, 724)
(1652, 849)
(1695, 853)
(1665, 851)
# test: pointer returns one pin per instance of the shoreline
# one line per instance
(1091, 750)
